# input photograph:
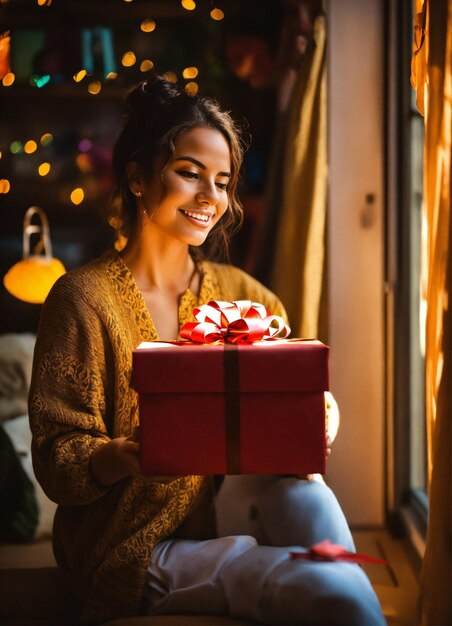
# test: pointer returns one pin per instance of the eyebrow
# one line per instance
(200, 165)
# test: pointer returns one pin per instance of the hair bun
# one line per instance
(153, 93)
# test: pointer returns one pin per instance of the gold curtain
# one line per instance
(298, 275)
(432, 79)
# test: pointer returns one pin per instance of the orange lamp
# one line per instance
(32, 278)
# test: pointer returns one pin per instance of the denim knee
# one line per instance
(298, 512)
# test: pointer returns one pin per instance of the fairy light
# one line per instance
(190, 72)
(111, 76)
(8, 79)
(79, 76)
(30, 146)
(46, 140)
(217, 14)
(146, 65)
(77, 196)
(16, 147)
(128, 59)
(171, 77)
(5, 185)
(83, 163)
(44, 169)
(44, 3)
(95, 87)
(147, 26)
(191, 88)
(40, 81)
(190, 5)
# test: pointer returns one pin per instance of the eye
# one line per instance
(222, 186)
(189, 175)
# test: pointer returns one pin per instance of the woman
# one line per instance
(136, 544)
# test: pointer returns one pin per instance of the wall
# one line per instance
(356, 255)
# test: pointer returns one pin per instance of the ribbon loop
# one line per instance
(239, 321)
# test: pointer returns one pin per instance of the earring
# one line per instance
(138, 194)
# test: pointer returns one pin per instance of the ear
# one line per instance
(135, 178)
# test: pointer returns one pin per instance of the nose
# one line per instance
(208, 194)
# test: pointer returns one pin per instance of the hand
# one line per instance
(116, 459)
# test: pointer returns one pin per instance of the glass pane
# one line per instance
(417, 344)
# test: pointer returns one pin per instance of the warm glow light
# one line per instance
(5, 185)
(44, 3)
(8, 79)
(128, 59)
(191, 88)
(217, 14)
(170, 77)
(83, 163)
(146, 65)
(95, 87)
(46, 140)
(16, 147)
(190, 72)
(111, 75)
(1, 154)
(128, 0)
(77, 196)
(32, 278)
(30, 146)
(44, 169)
(79, 76)
(188, 4)
(147, 26)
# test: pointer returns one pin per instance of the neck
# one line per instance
(157, 265)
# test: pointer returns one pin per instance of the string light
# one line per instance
(111, 76)
(95, 87)
(147, 26)
(191, 88)
(8, 79)
(46, 140)
(30, 146)
(16, 147)
(77, 196)
(171, 77)
(128, 59)
(5, 185)
(146, 65)
(79, 76)
(190, 5)
(44, 3)
(217, 14)
(44, 169)
(190, 72)
(40, 81)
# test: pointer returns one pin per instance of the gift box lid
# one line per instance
(266, 366)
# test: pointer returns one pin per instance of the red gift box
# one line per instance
(232, 409)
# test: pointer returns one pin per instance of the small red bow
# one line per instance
(328, 551)
(241, 321)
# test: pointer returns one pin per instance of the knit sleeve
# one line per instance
(69, 394)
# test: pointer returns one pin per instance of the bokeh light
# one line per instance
(16, 147)
(191, 88)
(46, 140)
(146, 65)
(170, 77)
(217, 14)
(77, 196)
(111, 76)
(5, 185)
(190, 5)
(44, 169)
(190, 72)
(30, 146)
(147, 26)
(79, 76)
(128, 59)
(8, 79)
(95, 87)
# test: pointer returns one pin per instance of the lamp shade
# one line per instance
(32, 278)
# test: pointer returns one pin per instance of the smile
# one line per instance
(199, 217)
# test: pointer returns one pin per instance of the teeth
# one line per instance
(197, 216)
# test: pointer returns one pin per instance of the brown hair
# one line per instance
(156, 114)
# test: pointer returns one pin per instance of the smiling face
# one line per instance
(190, 195)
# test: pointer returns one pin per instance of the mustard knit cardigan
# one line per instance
(80, 397)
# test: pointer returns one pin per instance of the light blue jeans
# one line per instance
(247, 573)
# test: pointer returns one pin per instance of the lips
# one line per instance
(201, 218)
